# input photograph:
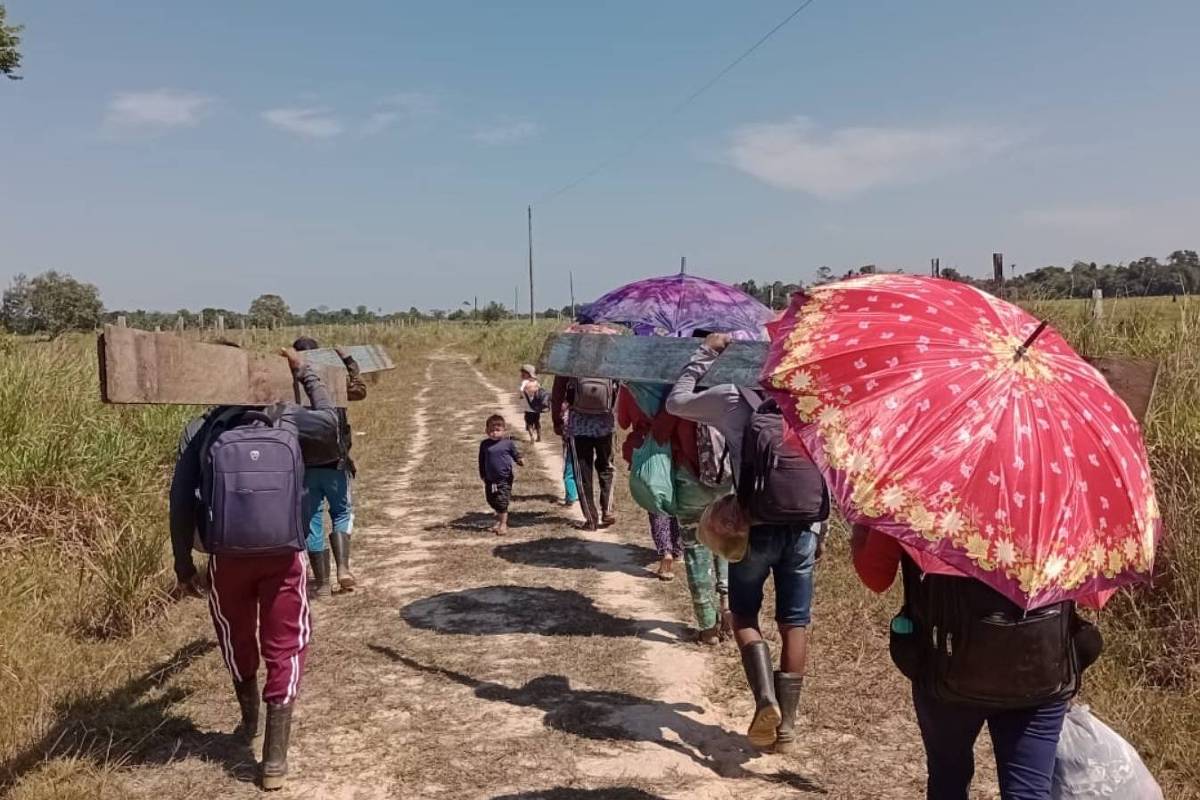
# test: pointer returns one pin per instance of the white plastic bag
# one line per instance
(1093, 761)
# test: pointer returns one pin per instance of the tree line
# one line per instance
(53, 303)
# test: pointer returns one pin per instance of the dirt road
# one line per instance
(548, 663)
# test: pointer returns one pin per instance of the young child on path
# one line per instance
(534, 401)
(497, 455)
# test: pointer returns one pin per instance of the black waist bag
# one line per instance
(970, 645)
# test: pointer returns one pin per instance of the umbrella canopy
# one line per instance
(936, 420)
(678, 305)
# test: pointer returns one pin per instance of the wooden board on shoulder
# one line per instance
(649, 359)
(661, 359)
(162, 368)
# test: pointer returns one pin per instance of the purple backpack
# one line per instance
(252, 486)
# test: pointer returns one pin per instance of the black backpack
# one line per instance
(970, 645)
(778, 482)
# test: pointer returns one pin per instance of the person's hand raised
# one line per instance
(717, 341)
(294, 359)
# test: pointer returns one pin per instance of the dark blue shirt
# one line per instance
(496, 459)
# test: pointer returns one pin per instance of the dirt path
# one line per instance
(544, 664)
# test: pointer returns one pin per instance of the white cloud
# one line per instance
(400, 107)
(157, 110)
(508, 133)
(1077, 218)
(795, 155)
(379, 122)
(412, 104)
(311, 123)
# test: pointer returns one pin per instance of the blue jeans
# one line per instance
(1024, 742)
(787, 551)
(327, 484)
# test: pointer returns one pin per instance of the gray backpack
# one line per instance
(252, 486)
(594, 396)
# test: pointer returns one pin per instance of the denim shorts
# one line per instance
(787, 551)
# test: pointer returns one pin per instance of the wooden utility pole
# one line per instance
(935, 267)
(516, 299)
(571, 278)
(683, 265)
(532, 319)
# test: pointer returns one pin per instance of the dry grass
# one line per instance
(84, 630)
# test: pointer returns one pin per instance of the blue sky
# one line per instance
(383, 152)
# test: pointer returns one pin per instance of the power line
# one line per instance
(682, 104)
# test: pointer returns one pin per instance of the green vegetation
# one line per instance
(10, 40)
(50, 303)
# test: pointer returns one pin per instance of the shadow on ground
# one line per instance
(495, 610)
(133, 725)
(619, 716)
(536, 498)
(484, 520)
(611, 793)
(568, 552)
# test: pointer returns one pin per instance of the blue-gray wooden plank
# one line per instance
(370, 357)
(650, 359)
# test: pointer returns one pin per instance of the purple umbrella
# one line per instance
(678, 305)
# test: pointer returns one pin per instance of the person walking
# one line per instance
(332, 483)
(236, 493)
(707, 575)
(787, 551)
(590, 403)
(1025, 731)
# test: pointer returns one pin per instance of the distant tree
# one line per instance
(10, 39)
(494, 312)
(15, 312)
(50, 303)
(824, 274)
(438, 313)
(951, 274)
(457, 314)
(268, 310)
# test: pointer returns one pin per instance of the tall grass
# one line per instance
(1148, 683)
(82, 525)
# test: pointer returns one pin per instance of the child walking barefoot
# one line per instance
(497, 455)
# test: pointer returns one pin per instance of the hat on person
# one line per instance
(725, 529)
(530, 369)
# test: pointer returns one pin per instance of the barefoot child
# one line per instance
(497, 454)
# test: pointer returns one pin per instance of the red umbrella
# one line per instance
(958, 424)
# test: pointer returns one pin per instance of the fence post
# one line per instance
(121, 321)
(1097, 305)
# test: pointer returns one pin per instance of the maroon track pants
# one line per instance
(261, 603)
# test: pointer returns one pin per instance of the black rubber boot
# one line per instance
(249, 702)
(787, 692)
(341, 554)
(756, 660)
(320, 587)
(275, 746)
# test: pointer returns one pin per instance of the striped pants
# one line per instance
(260, 605)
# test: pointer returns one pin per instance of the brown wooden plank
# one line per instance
(162, 368)
(1133, 380)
